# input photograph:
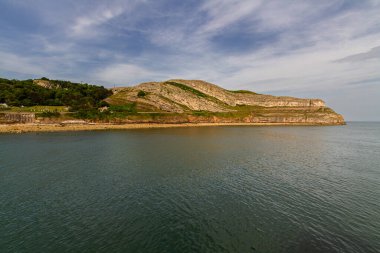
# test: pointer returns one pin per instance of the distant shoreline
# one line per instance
(29, 128)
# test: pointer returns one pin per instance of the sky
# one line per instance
(328, 49)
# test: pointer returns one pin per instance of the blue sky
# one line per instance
(327, 48)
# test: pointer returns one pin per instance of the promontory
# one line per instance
(52, 102)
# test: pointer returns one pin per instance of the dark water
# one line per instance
(211, 189)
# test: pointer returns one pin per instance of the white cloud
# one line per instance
(84, 19)
(374, 53)
(85, 25)
(19, 64)
(222, 13)
(124, 73)
(301, 58)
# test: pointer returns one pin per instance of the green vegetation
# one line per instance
(141, 94)
(74, 95)
(49, 114)
(239, 111)
(89, 114)
(187, 88)
(243, 91)
(114, 111)
(38, 108)
(231, 114)
(127, 108)
(202, 113)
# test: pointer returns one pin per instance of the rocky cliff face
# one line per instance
(206, 102)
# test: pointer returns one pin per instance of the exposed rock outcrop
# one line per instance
(208, 102)
(45, 83)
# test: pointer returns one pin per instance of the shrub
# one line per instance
(49, 114)
(243, 91)
(129, 108)
(141, 94)
(103, 103)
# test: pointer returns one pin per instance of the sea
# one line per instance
(196, 189)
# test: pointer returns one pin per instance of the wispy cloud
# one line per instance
(374, 53)
(18, 64)
(223, 13)
(126, 74)
(83, 26)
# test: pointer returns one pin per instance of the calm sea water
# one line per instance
(210, 189)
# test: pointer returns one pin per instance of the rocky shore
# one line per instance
(27, 128)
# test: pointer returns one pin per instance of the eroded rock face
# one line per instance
(166, 97)
(189, 96)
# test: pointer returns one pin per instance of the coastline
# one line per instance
(29, 128)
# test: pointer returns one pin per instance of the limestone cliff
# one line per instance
(205, 102)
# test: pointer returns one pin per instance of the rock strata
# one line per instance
(207, 102)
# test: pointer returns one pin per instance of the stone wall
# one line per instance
(9, 118)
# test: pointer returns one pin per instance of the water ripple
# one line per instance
(227, 189)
